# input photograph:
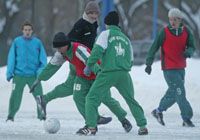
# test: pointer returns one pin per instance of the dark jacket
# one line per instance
(84, 32)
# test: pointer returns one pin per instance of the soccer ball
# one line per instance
(51, 125)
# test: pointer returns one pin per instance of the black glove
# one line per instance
(9, 78)
(36, 82)
(148, 69)
(186, 54)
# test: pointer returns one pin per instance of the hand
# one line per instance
(186, 54)
(9, 78)
(36, 82)
(97, 72)
(148, 69)
(87, 71)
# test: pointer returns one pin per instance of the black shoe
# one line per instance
(158, 116)
(127, 125)
(86, 131)
(143, 131)
(104, 120)
(41, 106)
(188, 123)
(10, 119)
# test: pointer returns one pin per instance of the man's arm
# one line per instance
(100, 46)
(83, 54)
(11, 62)
(52, 67)
(76, 32)
(42, 58)
(190, 44)
(158, 42)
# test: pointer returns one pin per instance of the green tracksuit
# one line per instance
(60, 91)
(75, 85)
(176, 93)
(81, 89)
(19, 82)
(115, 51)
(174, 77)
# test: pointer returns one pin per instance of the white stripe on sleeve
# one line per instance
(131, 50)
(102, 39)
(82, 54)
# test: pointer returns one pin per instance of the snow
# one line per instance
(12, 7)
(135, 5)
(148, 92)
(2, 24)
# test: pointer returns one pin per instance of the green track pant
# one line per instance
(176, 93)
(104, 81)
(19, 82)
(81, 89)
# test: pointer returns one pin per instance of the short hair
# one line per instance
(175, 12)
(26, 23)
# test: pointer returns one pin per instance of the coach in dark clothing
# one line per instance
(85, 29)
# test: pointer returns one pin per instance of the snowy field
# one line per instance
(148, 91)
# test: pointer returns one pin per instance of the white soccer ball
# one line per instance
(51, 125)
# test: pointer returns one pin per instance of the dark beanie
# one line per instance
(60, 40)
(112, 18)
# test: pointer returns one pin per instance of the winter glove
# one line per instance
(87, 71)
(36, 82)
(187, 54)
(9, 78)
(148, 69)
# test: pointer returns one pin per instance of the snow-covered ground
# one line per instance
(148, 91)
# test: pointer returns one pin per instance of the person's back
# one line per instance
(119, 53)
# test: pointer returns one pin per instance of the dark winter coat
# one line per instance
(84, 32)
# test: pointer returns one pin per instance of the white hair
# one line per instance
(175, 12)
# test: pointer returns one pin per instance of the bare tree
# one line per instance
(9, 10)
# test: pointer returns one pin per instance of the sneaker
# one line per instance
(158, 116)
(86, 131)
(143, 131)
(104, 120)
(41, 106)
(126, 125)
(188, 123)
(10, 119)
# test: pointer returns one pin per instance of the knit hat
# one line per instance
(60, 40)
(175, 12)
(92, 6)
(112, 18)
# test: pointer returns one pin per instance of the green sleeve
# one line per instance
(48, 72)
(96, 54)
(190, 43)
(158, 42)
(96, 68)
